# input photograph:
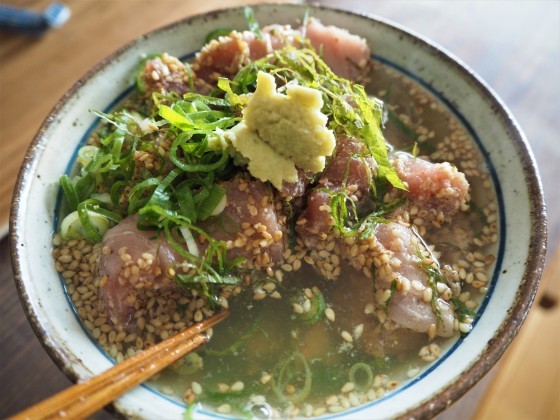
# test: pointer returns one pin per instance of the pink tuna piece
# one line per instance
(222, 57)
(124, 246)
(350, 165)
(225, 56)
(438, 186)
(135, 261)
(165, 74)
(251, 224)
(408, 308)
(345, 168)
(316, 220)
(291, 190)
(346, 54)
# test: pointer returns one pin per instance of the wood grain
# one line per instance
(514, 46)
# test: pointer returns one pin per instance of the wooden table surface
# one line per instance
(513, 45)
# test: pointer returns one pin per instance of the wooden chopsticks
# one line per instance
(88, 397)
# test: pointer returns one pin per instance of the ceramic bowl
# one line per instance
(522, 225)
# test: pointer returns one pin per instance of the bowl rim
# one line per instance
(534, 263)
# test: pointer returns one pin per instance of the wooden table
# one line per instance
(514, 46)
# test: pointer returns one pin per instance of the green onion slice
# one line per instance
(86, 154)
(293, 371)
(187, 365)
(84, 224)
(361, 376)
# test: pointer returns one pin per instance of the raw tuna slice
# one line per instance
(346, 54)
(131, 262)
(407, 307)
(437, 186)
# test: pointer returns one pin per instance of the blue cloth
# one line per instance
(33, 23)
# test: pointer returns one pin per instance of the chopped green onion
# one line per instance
(209, 206)
(187, 365)
(315, 309)
(200, 165)
(192, 247)
(69, 192)
(73, 226)
(294, 371)
(136, 199)
(86, 154)
(361, 375)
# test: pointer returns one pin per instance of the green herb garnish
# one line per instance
(216, 33)
(252, 23)
(461, 309)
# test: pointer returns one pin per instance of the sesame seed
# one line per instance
(298, 309)
(329, 314)
(347, 387)
(331, 400)
(237, 386)
(358, 330)
(196, 388)
(427, 295)
(223, 387)
(224, 409)
(464, 327)
(346, 336)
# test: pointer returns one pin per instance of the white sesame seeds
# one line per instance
(347, 387)
(416, 285)
(196, 388)
(223, 387)
(432, 331)
(358, 330)
(429, 353)
(237, 386)
(346, 336)
(224, 409)
(369, 309)
(332, 400)
(269, 287)
(427, 295)
(465, 328)
(329, 314)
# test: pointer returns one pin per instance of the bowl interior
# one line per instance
(521, 219)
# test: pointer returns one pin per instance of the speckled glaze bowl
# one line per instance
(522, 223)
